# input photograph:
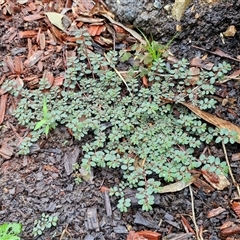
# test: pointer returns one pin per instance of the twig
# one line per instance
(118, 73)
(65, 231)
(230, 170)
(199, 236)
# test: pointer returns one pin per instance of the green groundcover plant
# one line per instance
(10, 231)
(46, 221)
(148, 140)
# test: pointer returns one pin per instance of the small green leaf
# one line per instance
(40, 124)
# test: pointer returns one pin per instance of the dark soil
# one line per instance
(43, 181)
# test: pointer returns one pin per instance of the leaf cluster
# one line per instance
(10, 231)
(46, 221)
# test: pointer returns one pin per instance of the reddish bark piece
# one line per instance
(10, 63)
(119, 29)
(58, 81)
(33, 17)
(33, 59)
(18, 65)
(150, 235)
(6, 151)
(187, 225)
(207, 188)
(42, 41)
(96, 30)
(229, 229)
(51, 168)
(145, 81)
(27, 34)
(104, 189)
(235, 205)
(57, 33)
(211, 176)
(235, 156)
(215, 212)
(32, 6)
(135, 236)
(234, 74)
(49, 76)
(3, 105)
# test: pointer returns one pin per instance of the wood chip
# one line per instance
(92, 219)
(33, 59)
(3, 104)
(70, 159)
(6, 151)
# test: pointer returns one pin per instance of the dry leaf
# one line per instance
(179, 8)
(218, 122)
(55, 19)
(230, 32)
(177, 186)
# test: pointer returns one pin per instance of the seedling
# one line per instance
(10, 231)
(148, 53)
(46, 120)
(46, 221)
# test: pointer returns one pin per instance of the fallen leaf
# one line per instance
(230, 32)
(218, 122)
(177, 186)
(179, 8)
(55, 19)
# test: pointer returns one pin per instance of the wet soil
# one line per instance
(43, 182)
